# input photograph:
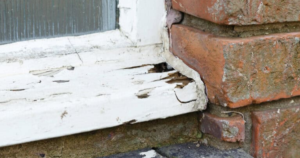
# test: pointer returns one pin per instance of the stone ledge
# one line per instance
(187, 150)
(195, 150)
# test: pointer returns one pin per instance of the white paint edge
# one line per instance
(179, 65)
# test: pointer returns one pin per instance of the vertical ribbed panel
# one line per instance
(32, 19)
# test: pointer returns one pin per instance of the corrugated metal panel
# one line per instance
(32, 19)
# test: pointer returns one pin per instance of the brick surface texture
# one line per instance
(241, 12)
(255, 60)
(241, 71)
(276, 133)
(229, 129)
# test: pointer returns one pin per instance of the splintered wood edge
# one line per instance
(62, 95)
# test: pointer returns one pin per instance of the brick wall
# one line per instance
(248, 55)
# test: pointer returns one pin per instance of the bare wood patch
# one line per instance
(144, 93)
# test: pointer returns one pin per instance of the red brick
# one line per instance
(276, 133)
(230, 129)
(241, 12)
(241, 71)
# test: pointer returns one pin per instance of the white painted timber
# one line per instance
(41, 99)
(44, 48)
(62, 86)
(141, 20)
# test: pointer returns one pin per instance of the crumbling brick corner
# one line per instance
(248, 55)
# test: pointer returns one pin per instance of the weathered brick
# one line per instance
(276, 133)
(241, 12)
(241, 71)
(230, 129)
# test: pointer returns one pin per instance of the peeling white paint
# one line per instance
(179, 65)
(96, 96)
(68, 85)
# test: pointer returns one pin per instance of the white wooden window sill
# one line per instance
(68, 85)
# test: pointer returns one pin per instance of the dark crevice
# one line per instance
(160, 68)
(157, 150)
(157, 68)
(135, 67)
(239, 31)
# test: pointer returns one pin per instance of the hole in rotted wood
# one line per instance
(158, 68)
(162, 67)
(177, 77)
